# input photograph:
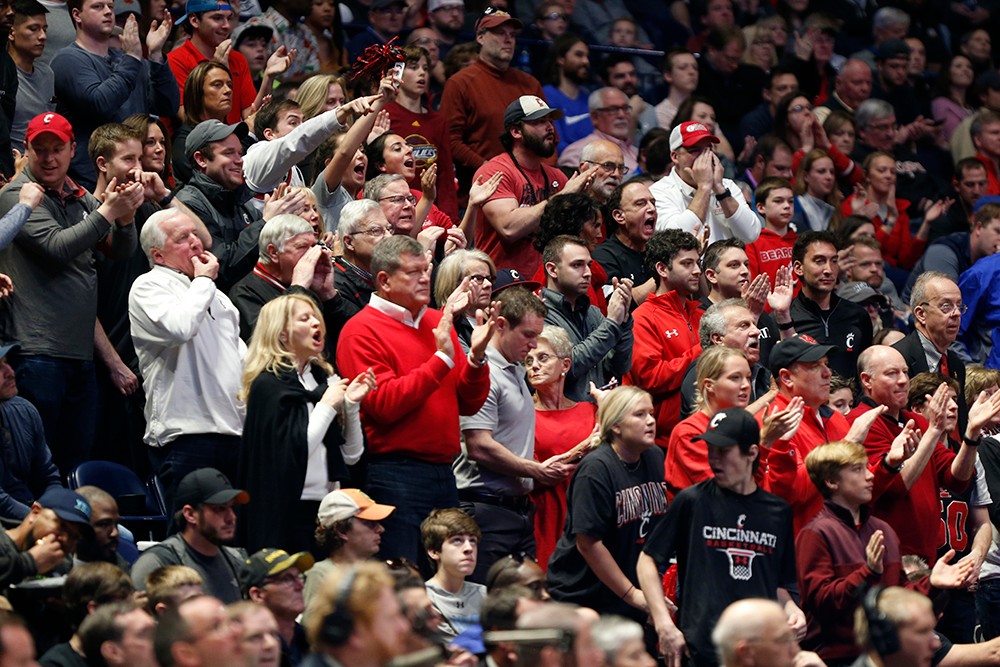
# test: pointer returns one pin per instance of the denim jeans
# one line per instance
(415, 488)
(988, 607)
(65, 393)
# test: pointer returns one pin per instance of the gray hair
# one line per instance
(611, 632)
(872, 110)
(374, 187)
(594, 148)
(277, 231)
(451, 271)
(596, 99)
(886, 17)
(558, 340)
(152, 235)
(354, 213)
(918, 295)
(714, 320)
(387, 255)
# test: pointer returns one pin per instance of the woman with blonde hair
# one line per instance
(561, 425)
(722, 381)
(594, 561)
(321, 92)
(292, 398)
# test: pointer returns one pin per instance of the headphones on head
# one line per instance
(338, 625)
(882, 634)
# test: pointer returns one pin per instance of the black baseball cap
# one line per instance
(68, 506)
(798, 348)
(732, 426)
(207, 486)
(511, 278)
(269, 562)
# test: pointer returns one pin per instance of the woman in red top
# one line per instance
(877, 200)
(559, 425)
(722, 381)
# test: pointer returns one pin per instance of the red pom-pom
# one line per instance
(376, 61)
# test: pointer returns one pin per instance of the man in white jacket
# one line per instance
(186, 335)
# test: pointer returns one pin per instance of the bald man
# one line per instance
(755, 632)
(853, 86)
(103, 544)
(608, 164)
(913, 508)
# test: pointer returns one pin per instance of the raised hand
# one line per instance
(279, 61)
(31, 194)
(783, 424)
(442, 333)
(131, 44)
(222, 52)
(361, 386)
(904, 445)
(981, 413)
(780, 297)
(482, 190)
(946, 575)
(579, 182)
(159, 33)
(755, 294)
(428, 182)
(483, 331)
(874, 552)
(863, 424)
(381, 126)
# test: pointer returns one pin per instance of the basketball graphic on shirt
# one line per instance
(740, 563)
(424, 152)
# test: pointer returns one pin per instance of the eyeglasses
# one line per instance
(624, 108)
(883, 127)
(374, 232)
(554, 16)
(398, 200)
(286, 578)
(799, 108)
(479, 279)
(541, 358)
(947, 308)
(610, 166)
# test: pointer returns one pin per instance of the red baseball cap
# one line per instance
(689, 133)
(49, 122)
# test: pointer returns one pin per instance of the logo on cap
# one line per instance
(695, 127)
(514, 274)
(47, 118)
(809, 339)
(716, 420)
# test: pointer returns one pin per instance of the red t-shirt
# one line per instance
(544, 182)
(185, 57)
(770, 252)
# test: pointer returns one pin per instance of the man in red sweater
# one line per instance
(474, 99)
(801, 368)
(666, 326)
(424, 384)
(911, 504)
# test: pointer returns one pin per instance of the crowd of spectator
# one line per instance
(591, 331)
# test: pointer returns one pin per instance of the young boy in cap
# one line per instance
(348, 526)
(273, 579)
(729, 536)
(204, 513)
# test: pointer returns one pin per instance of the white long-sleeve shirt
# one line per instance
(186, 335)
(321, 417)
(267, 163)
(673, 196)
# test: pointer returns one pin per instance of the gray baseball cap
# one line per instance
(208, 131)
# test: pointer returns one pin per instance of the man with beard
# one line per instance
(821, 314)
(207, 519)
(446, 17)
(51, 529)
(695, 195)
(666, 325)
(103, 544)
(569, 62)
(869, 267)
(609, 112)
(512, 214)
